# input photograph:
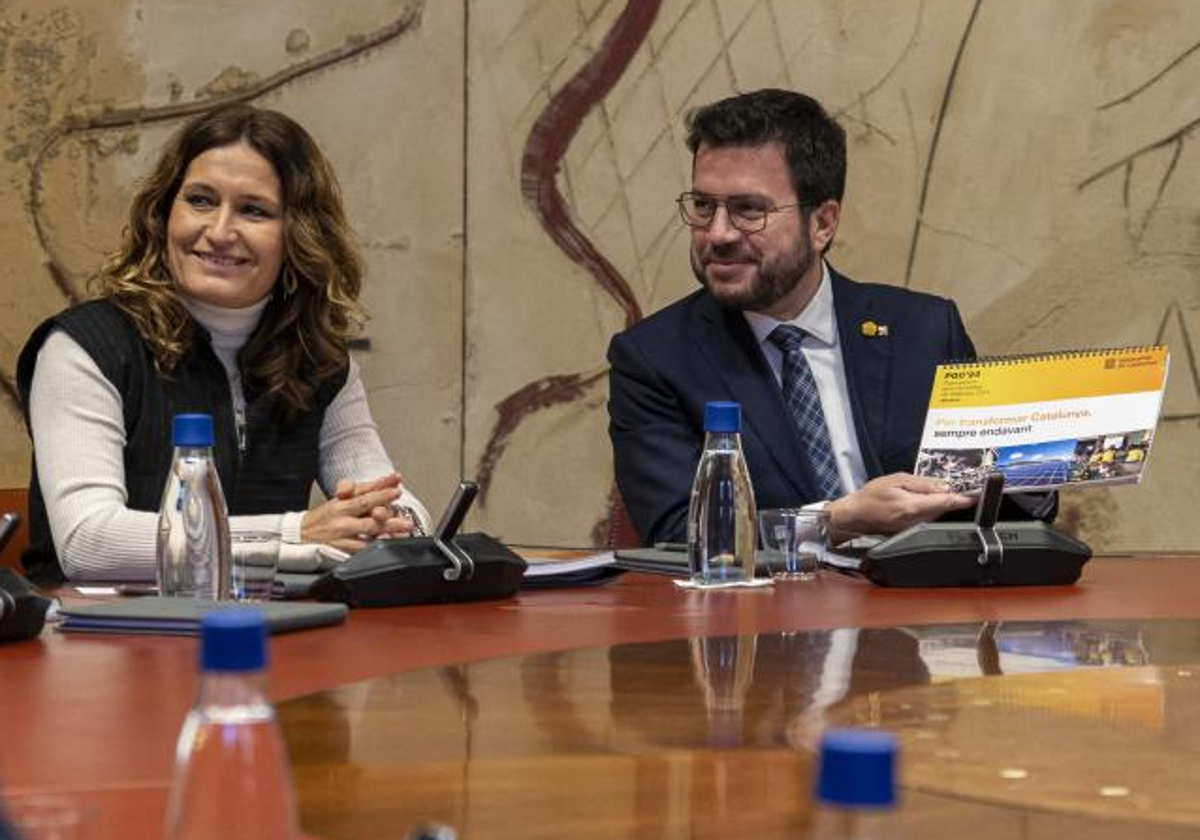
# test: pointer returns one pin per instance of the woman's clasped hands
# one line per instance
(357, 514)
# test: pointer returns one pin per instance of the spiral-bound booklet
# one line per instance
(1080, 417)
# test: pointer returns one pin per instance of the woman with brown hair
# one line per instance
(234, 294)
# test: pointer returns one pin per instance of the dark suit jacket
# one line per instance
(667, 367)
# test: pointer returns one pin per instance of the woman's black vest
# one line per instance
(273, 474)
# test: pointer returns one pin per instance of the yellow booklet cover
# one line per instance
(1046, 420)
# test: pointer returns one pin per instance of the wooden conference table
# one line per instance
(638, 710)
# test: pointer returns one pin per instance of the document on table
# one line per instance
(157, 615)
(547, 572)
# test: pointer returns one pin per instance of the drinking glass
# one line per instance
(255, 558)
(794, 541)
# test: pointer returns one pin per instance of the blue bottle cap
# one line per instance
(722, 417)
(858, 768)
(192, 430)
(233, 640)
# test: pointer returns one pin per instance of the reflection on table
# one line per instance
(1022, 730)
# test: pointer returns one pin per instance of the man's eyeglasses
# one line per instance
(746, 213)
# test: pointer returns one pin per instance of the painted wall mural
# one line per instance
(107, 83)
(511, 165)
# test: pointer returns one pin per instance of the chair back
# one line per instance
(15, 499)
(621, 532)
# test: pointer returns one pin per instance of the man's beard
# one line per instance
(773, 281)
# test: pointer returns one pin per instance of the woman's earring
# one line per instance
(288, 281)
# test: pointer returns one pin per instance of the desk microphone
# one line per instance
(443, 567)
(985, 552)
(22, 606)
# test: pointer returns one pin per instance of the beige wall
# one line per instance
(1030, 159)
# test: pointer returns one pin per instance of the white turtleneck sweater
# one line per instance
(77, 421)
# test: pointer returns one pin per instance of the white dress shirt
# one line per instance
(823, 351)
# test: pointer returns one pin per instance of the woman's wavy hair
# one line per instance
(302, 338)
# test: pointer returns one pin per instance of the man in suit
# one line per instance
(833, 376)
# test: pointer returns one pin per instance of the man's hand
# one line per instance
(892, 503)
(356, 514)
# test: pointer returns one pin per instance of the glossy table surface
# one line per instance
(582, 700)
(1021, 730)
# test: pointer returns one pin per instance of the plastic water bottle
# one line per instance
(856, 786)
(193, 556)
(721, 531)
(231, 770)
(7, 832)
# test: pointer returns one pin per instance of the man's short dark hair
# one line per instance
(814, 145)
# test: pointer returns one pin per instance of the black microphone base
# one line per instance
(953, 554)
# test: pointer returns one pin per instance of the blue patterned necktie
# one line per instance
(804, 403)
